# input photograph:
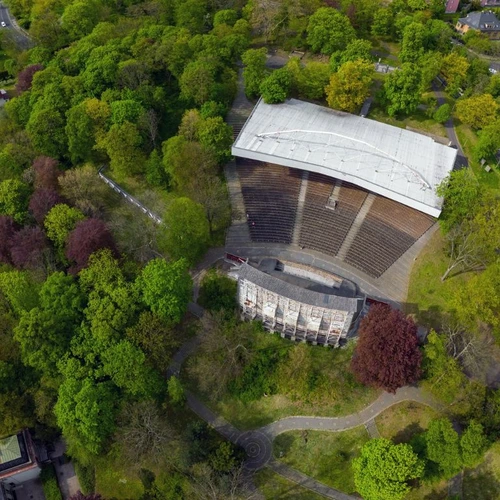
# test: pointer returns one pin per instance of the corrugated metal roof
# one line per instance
(401, 165)
(297, 293)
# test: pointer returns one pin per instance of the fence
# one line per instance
(129, 198)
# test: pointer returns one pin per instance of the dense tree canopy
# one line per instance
(186, 230)
(166, 288)
(329, 30)
(383, 470)
(350, 86)
(402, 89)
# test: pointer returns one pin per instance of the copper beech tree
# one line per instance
(387, 354)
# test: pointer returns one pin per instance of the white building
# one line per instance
(18, 463)
(298, 313)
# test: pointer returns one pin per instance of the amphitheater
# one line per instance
(334, 191)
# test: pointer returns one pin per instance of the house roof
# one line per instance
(9, 449)
(393, 162)
(297, 293)
(482, 21)
(452, 6)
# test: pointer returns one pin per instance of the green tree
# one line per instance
(489, 138)
(14, 196)
(166, 288)
(313, 79)
(218, 292)
(126, 365)
(276, 87)
(473, 242)
(176, 391)
(462, 194)
(442, 372)
(443, 113)
(156, 338)
(20, 291)
(186, 161)
(454, 68)
(477, 302)
(127, 110)
(477, 111)
(85, 125)
(197, 82)
(328, 30)
(44, 333)
(254, 71)
(412, 45)
(430, 64)
(402, 89)
(443, 446)
(472, 443)
(79, 18)
(46, 131)
(112, 300)
(227, 16)
(155, 172)
(217, 137)
(383, 470)
(60, 221)
(85, 412)
(350, 86)
(357, 49)
(383, 21)
(493, 87)
(122, 144)
(186, 232)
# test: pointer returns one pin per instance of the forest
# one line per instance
(94, 296)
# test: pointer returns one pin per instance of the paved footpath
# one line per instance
(384, 401)
(258, 443)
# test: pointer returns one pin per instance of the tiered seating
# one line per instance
(388, 231)
(324, 229)
(271, 194)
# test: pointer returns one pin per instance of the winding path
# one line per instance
(257, 443)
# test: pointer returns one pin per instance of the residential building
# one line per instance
(485, 22)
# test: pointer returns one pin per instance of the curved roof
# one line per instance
(297, 293)
(393, 162)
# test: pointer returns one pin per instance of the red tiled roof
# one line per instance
(452, 6)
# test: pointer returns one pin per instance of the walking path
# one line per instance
(257, 443)
(461, 160)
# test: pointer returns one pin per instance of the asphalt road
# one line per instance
(20, 37)
(461, 160)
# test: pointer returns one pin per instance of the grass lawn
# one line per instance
(483, 482)
(438, 491)
(428, 296)
(275, 487)
(468, 139)
(113, 481)
(326, 456)
(402, 421)
(336, 393)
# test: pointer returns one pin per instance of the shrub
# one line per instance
(217, 292)
(49, 482)
(443, 113)
(86, 477)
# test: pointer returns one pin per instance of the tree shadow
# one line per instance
(405, 435)
(481, 483)
(282, 444)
